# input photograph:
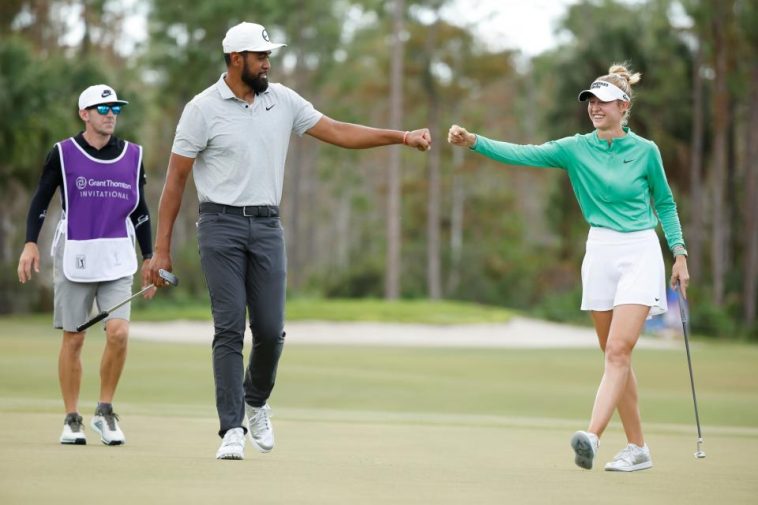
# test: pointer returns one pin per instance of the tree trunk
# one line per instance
(298, 185)
(750, 289)
(731, 202)
(456, 222)
(720, 139)
(695, 233)
(342, 234)
(309, 257)
(86, 44)
(434, 281)
(392, 272)
(433, 269)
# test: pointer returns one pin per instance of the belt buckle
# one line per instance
(244, 211)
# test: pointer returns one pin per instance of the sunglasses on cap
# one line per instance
(104, 108)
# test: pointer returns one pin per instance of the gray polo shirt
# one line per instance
(240, 149)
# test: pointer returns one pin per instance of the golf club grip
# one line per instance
(92, 321)
(684, 309)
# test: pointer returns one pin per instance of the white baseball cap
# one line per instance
(248, 37)
(98, 94)
(605, 91)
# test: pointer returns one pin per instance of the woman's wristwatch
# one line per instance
(679, 250)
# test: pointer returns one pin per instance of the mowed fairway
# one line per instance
(364, 425)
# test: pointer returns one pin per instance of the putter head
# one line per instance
(699, 454)
(168, 277)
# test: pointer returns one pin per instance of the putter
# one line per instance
(165, 275)
(684, 310)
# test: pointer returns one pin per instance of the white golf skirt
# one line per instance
(623, 268)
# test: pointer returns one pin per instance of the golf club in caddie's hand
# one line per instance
(684, 311)
(167, 276)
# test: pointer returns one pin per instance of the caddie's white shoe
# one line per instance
(105, 423)
(585, 445)
(259, 427)
(233, 445)
(73, 430)
(630, 459)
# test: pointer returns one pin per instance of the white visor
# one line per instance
(605, 91)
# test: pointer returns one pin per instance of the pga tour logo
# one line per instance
(81, 182)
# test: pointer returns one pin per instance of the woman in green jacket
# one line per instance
(614, 174)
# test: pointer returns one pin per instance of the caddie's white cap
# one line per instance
(605, 91)
(248, 37)
(98, 94)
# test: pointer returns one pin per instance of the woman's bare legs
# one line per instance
(618, 332)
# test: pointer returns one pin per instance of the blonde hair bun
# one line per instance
(620, 70)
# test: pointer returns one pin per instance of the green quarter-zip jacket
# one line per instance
(613, 183)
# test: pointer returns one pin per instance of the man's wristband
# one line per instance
(405, 137)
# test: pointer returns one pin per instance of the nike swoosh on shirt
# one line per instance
(625, 161)
(269, 108)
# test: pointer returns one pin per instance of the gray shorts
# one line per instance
(73, 300)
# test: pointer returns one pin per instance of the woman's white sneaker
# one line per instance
(73, 430)
(259, 427)
(585, 445)
(233, 445)
(631, 459)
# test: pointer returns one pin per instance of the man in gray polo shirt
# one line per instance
(233, 137)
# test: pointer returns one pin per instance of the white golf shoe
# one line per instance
(73, 430)
(233, 445)
(259, 427)
(585, 445)
(105, 423)
(630, 459)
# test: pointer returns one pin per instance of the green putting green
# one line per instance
(364, 425)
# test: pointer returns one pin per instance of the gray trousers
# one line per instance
(245, 267)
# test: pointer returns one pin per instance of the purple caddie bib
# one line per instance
(100, 196)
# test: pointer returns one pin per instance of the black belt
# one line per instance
(247, 211)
